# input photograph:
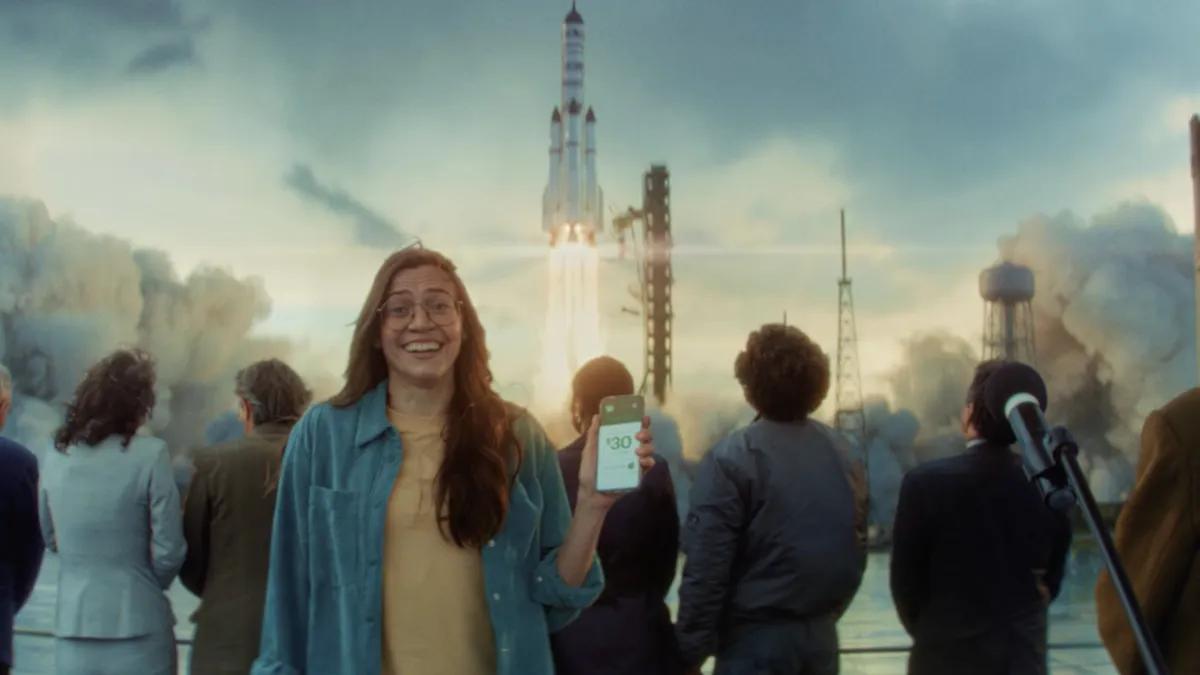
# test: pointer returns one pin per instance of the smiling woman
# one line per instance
(425, 507)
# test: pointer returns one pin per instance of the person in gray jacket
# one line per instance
(775, 536)
(110, 509)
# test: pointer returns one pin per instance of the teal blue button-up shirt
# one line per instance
(324, 596)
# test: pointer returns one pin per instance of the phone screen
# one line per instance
(617, 466)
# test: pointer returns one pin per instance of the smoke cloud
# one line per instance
(69, 297)
(1115, 333)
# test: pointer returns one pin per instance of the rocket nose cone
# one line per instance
(591, 115)
(556, 116)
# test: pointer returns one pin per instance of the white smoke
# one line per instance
(930, 383)
(1115, 332)
(1115, 318)
(69, 297)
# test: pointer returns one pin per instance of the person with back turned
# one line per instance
(110, 509)
(227, 517)
(977, 556)
(1159, 543)
(775, 536)
(628, 629)
(21, 543)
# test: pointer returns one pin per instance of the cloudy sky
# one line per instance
(291, 139)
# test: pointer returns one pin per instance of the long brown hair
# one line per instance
(114, 399)
(473, 482)
(276, 395)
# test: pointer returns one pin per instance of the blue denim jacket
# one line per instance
(324, 595)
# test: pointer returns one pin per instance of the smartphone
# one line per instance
(617, 465)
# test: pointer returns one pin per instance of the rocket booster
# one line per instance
(573, 204)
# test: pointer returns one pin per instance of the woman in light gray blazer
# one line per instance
(111, 510)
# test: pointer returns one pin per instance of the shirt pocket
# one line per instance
(523, 520)
(334, 527)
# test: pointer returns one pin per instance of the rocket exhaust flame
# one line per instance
(572, 333)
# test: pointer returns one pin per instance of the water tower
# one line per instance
(1007, 291)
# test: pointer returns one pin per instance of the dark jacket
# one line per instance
(1159, 543)
(227, 519)
(21, 545)
(775, 540)
(627, 631)
(976, 559)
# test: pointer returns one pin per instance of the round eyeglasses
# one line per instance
(399, 312)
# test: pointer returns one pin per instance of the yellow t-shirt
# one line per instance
(435, 613)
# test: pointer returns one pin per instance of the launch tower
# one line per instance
(658, 279)
(849, 417)
(655, 277)
(1007, 291)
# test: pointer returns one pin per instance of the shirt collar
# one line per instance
(372, 415)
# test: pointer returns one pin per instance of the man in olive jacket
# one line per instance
(228, 514)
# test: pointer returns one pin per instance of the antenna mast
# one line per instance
(849, 418)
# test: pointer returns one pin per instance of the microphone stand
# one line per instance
(1066, 473)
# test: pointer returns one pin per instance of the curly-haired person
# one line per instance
(776, 533)
(110, 509)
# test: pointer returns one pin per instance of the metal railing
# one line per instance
(851, 651)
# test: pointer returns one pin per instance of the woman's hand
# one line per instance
(601, 501)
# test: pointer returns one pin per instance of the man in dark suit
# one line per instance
(21, 544)
(977, 556)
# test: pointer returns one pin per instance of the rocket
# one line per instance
(573, 203)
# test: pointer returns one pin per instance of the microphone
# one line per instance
(1016, 393)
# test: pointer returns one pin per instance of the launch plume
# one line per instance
(1115, 332)
(68, 297)
(1115, 324)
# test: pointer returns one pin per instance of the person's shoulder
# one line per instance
(230, 450)
(732, 452)
(150, 447)
(1181, 415)
(731, 445)
(325, 419)
(1186, 404)
(17, 456)
(526, 427)
(936, 470)
(573, 450)
(536, 450)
